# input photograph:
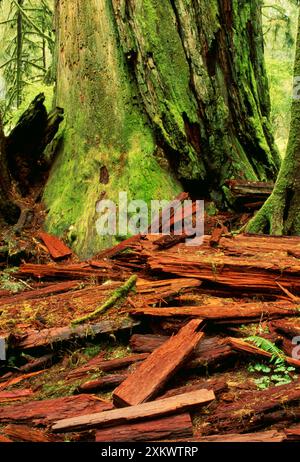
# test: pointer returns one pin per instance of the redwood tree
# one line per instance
(281, 212)
(158, 96)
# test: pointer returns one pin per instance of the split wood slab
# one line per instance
(172, 427)
(129, 414)
(146, 381)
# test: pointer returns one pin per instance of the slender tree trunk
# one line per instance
(19, 53)
(163, 95)
(281, 212)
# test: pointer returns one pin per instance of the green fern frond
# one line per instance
(278, 355)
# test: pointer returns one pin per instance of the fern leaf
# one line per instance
(278, 355)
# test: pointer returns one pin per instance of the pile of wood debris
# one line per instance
(151, 341)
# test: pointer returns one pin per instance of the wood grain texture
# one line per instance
(177, 426)
(142, 411)
(146, 381)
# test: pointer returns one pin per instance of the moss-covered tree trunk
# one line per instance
(281, 212)
(159, 96)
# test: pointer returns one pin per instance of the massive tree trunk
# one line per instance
(159, 96)
(281, 212)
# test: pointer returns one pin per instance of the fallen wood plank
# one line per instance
(47, 337)
(241, 345)
(217, 385)
(156, 370)
(174, 427)
(259, 274)
(3, 439)
(210, 352)
(146, 343)
(24, 433)
(254, 410)
(57, 249)
(99, 364)
(225, 312)
(18, 379)
(293, 433)
(109, 381)
(287, 327)
(169, 241)
(271, 436)
(71, 271)
(43, 292)
(47, 411)
(14, 395)
(142, 411)
(40, 363)
(216, 235)
(113, 251)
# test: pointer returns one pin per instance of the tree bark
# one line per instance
(281, 212)
(171, 95)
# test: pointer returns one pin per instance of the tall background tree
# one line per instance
(158, 96)
(281, 212)
(28, 42)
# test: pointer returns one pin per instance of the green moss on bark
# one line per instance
(281, 213)
(154, 90)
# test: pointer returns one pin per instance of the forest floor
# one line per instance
(179, 321)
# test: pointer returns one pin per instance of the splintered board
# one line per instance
(140, 412)
(153, 373)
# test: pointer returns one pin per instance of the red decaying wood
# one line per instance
(271, 436)
(47, 411)
(17, 379)
(38, 293)
(255, 410)
(146, 343)
(218, 385)
(174, 427)
(99, 364)
(4, 439)
(109, 381)
(113, 251)
(290, 328)
(234, 311)
(216, 235)
(14, 395)
(71, 271)
(144, 411)
(47, 337)
(24, 433)
(210, 352)
(293, 433)
(245, 347)
(153, 373)
(55, 246)
(260, 275)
